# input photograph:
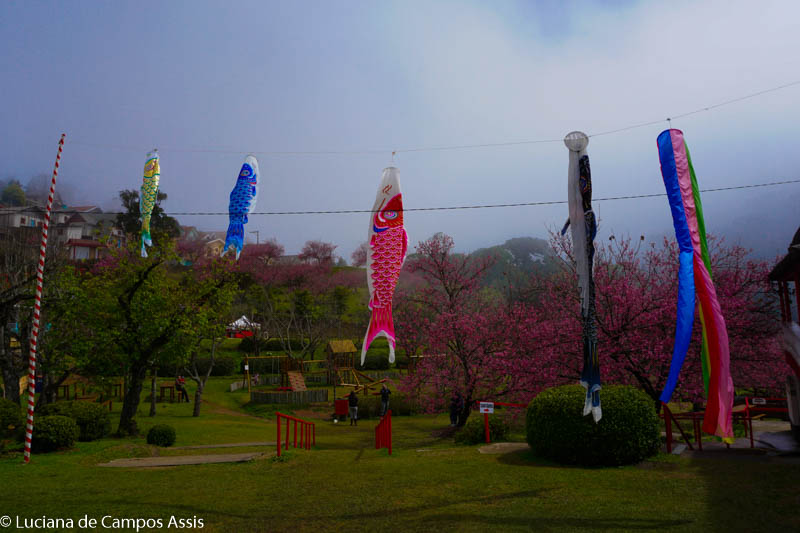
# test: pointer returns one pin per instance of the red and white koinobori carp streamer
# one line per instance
(388, 244)
(37, 307)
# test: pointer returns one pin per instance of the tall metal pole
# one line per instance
(37, 307)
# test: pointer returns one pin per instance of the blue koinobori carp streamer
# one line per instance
(584, 229)
(694, 278)
(149, 196)
(243, 202)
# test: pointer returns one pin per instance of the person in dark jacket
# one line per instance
(352, 401)
(456, 405)
(384, 392)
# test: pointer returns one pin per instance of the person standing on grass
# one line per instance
(456, 405)
(384, 392)
(352, 401)
(180, 386)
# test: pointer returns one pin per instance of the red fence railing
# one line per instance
(383, 432)
(308, 432)
(486, 415)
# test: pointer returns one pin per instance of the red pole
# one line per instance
(295, 433)
(314, 436)
(287, 433)
(302, 430)
(390, 431)
(38, 306)
(486, 426)
(278, 415)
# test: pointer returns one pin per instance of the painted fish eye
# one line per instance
(390, 215)
(245, 172)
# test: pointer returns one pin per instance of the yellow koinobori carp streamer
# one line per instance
(148, 196)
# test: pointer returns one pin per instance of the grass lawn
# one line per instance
(427, 484)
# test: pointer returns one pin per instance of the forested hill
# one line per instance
(517, 259)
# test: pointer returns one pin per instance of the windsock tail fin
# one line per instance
(380, 323)
(146, 241)
(592, 401)
(235, 238)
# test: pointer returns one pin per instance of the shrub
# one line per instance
(53, 433)
(374, 361)
(12, 421)
(92, 420)
(161, 435)
(474, 431)
(370, 406)
(271, 345)
(627, 433)
(55, 409)
(223, 366)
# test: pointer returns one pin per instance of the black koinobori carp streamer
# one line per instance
(584, 228)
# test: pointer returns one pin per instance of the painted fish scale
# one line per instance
(148, 196)
(242, 201)
(148, 202)
(387, 255)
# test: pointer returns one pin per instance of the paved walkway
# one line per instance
(231, 445)
(179, 460)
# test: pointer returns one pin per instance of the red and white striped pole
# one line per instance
(37, 308)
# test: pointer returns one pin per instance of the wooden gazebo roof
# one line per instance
(345, 346)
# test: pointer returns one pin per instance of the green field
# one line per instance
(428, 483)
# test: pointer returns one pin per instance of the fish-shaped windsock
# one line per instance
(694, 278)
(148, 196)
(388, 244)
(584, 228)
(243, 201)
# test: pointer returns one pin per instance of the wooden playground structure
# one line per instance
(338, 367)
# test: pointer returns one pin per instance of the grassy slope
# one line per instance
(426, 484)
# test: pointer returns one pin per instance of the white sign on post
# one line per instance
(759, 401)
(487, 407)
(246, 367)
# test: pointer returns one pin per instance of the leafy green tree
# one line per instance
(140, 313)
(160, 223)
(13, 194)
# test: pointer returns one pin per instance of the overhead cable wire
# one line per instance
(440, 148)
(447, 208)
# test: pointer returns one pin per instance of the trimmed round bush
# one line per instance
(54, 432)
(55, 409)
(474, 431)
(12, 421)
(627, 433)
(92, 418)
(161, 435)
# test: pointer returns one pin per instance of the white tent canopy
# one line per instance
(243, 323)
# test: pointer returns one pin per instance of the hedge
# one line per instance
(627, 432)
(53, 433)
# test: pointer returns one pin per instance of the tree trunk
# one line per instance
(153, 392)
(465, 411)
(198, 398)
(130, 405)
(11, 368)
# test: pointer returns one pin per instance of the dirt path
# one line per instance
(180, 460)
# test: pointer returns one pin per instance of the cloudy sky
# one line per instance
(207, 82)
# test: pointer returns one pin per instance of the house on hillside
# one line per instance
(212, 242)
(87, 234)
(30, 216)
